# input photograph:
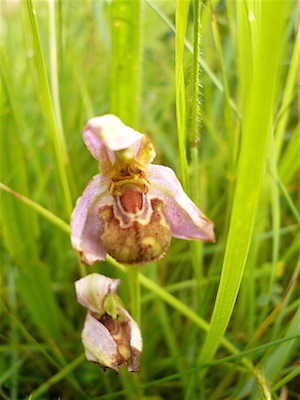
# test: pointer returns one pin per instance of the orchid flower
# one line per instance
(132, 208)
(110, 336)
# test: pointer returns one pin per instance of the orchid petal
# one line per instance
(86, 224)
(99, 346)
(92, 291)
(112, 132)
(107, 134)
(185, 219)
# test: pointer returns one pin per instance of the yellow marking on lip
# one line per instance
(150, 241)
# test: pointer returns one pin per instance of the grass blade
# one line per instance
(182, 9)
(289, 94)
(41, 210)
(125, 61)
(255, 138)
(195, 113)
(48, 108)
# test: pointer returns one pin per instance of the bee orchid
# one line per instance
(110, 336)
(132, 208)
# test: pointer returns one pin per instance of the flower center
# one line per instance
(131, 199)
(132, 205)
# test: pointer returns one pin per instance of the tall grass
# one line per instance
(215, 85)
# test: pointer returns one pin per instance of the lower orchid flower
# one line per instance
(132, 208)
(110, 336)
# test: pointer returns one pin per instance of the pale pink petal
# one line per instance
(97, 147)
(106, 135)
(93, 289)
(184, 217)
(99, 346)
(86, 223)
(110, 132)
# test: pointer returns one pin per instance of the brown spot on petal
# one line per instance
(134, 361)
(136, 244)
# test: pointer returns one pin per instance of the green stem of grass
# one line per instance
(195, 116)
(256, 130)
(125, 60)
(196, 247)
(216, 81)
(182, 9)
(286, 379)
(64, 226)
(48, 108)
(55, 87)
(290, 90)
(15, 355)
(231, 137)
(61, 374)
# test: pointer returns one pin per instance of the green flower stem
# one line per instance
(135, 292)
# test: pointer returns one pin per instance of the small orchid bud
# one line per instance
(110, 336)
(132, 208)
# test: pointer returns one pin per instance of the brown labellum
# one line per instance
(136, 243)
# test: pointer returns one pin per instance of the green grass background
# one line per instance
(216, 86)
